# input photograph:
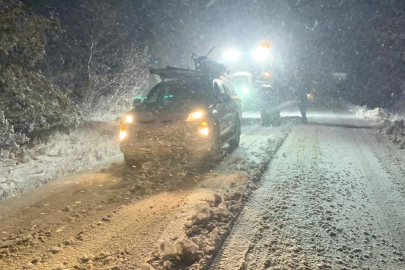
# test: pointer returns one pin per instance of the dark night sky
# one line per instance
(360, 38)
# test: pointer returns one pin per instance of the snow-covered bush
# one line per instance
(29, 102)
(33, 104)
(12, 144)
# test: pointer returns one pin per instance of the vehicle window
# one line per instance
(219, 88)
(177, 92)
(229, 89)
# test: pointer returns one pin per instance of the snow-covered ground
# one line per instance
(301, 209)
(332, 198)
(117, 217)
(62, 154)
(96, 141)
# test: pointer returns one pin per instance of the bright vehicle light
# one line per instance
(204, 123)
(267, 74)
(123, 134)
(310, 96)
(195, 115)
(260, 54)
(232, 55)
(244, 90)
(204, 131)
(129, 119)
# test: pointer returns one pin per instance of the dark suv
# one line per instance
(196, 115)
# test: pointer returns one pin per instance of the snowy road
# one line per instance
(113, 216)
(332, 197)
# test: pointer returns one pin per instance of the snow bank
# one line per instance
(388, 123)
(61, 155)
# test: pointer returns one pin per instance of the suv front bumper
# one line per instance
(144, 140)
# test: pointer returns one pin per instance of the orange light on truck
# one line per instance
(266, 45)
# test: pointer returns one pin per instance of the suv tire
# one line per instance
(215, 143)
(234, 143)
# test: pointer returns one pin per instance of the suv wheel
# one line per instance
(215, 143)
(235, 142)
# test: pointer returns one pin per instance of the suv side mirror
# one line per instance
(224, 98)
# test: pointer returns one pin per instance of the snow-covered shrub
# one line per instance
(29, 101)
(33, 104)
(12, 144)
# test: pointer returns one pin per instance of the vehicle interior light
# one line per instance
(204, 131)
(129, 119)
(123, 134)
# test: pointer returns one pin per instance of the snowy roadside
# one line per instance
(393, 125)
(61, 155)
(197, 231)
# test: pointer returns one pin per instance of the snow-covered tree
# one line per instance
(29, 103)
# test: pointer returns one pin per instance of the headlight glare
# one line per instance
(123, 134)
(232, 55)
(260, 54)
(204, 131)
(195, 115)
(129, 119)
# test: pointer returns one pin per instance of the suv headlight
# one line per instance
(195, 115)
(129, 118)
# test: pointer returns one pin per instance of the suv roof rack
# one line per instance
(176, 73)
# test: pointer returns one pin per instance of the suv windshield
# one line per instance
(178, 91)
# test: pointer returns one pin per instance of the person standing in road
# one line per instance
(301, 91)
